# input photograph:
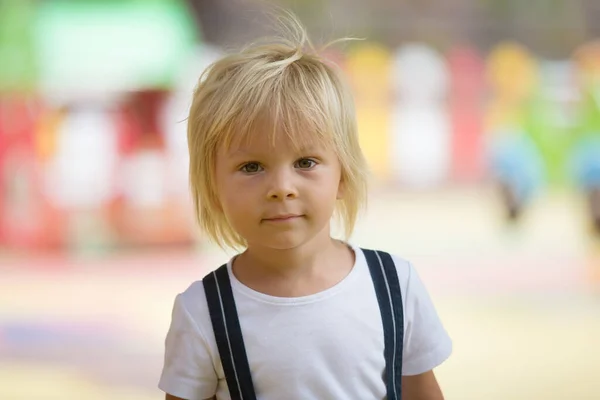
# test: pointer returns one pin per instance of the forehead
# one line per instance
(267, 136)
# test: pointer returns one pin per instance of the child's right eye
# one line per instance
(251, 168)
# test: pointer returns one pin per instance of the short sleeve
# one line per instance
(426, 342)
(188, 371)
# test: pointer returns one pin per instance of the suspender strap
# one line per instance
(228, 334)
(389, 297)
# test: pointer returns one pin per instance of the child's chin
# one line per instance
(284, 241)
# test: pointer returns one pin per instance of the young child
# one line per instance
(274, 154)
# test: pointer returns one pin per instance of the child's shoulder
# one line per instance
(193, 298)
(403, 266)
(195, 290)
(404, 269)
(192, 301)
(411, 284)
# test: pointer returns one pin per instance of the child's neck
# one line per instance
(307, 269)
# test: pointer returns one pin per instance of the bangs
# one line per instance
(288, 105)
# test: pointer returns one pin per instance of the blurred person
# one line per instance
(513, 157)
(585, 158)
(274, 154)
(420, 121)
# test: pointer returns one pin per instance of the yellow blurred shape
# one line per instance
(587, 61)
(368, 67)
(512, 73)
(519, 351)
(47, 133)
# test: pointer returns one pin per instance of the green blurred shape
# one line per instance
(112, 45)
(589, 112)
(550, 137)
(550, 120)
(17, 55)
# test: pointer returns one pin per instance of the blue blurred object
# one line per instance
(585, 162)
(516, 162)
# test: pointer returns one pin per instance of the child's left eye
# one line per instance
(251, 168)
(305, 163)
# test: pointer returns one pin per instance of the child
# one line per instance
(274, 154)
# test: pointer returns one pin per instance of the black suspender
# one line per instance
(387, 288)
(228, 334)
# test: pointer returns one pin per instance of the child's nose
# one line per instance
(282, 187)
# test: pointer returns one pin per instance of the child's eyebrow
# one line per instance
(247, 153)
(309, 149)
(242, 153)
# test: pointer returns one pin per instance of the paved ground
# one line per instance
(522, 304)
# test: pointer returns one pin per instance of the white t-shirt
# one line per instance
(327, 345)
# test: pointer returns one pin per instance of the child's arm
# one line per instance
(426, 343)
(188, 370)
(421, 387)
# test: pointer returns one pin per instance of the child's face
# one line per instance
(274, 195)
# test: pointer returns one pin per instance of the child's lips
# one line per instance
(283, 218)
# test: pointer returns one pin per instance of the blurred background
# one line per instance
(480, 120)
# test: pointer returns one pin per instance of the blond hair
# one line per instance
(286, 80)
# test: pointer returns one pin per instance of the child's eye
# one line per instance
(251, 168)
(305, 163)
